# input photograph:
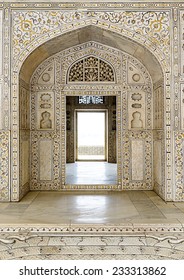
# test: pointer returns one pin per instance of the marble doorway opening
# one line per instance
(91, 140)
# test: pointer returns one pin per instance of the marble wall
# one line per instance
(155, 45)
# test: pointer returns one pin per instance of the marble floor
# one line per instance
(127, 207)
(93, 172)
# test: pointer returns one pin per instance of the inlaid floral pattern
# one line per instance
(29, 25)
(4, 166)
(179, 165)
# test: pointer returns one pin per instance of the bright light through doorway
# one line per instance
(91, 136)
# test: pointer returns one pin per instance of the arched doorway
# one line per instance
(134, 118)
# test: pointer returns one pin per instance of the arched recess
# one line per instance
(116, 42)
(96, 34)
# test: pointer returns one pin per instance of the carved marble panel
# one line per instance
(45, 160)
(136, 108)
(157, 162)
(45, 110)
(24, 102)
(134, 75)
(146, 154)
(159, 174)
(158, 108)
(47, 76)
(137, 160)
(25, 161)
(44, 76)
(24, 180)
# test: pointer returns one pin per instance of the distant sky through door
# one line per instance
(91, 135)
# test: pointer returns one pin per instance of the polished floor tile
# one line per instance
(91, 208)
(83, 172)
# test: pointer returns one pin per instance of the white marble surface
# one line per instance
(137, 159)
(45, 160)
(127, 207)
(84, 172)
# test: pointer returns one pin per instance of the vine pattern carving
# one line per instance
(30, 25)
(179, 165)
(4, 165)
